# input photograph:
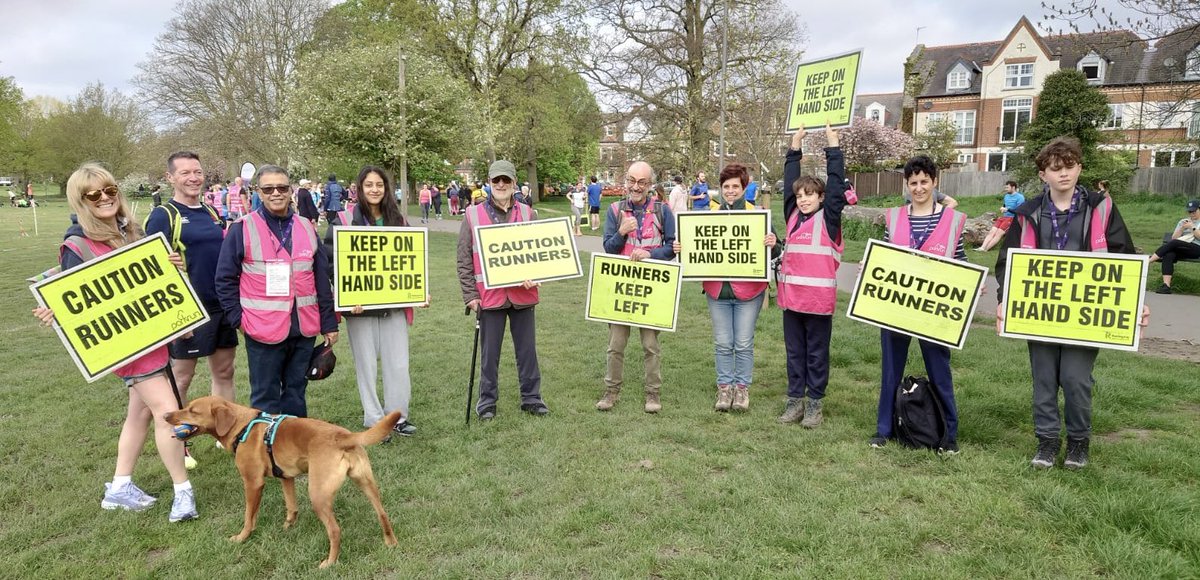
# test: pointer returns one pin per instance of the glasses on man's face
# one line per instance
(275, 189)
(94, 195)
(638, 183)
(501, 179)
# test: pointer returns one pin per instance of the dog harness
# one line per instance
(272, 422)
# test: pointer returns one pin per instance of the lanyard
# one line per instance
(1060, 238)
(915, 240)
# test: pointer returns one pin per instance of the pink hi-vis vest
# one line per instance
(942, 241)
(235, 204)
(649, 237)
(1097, 240)
(808, 277)
(268, 319)
(158, 358)
(493, 299)
(741, 290)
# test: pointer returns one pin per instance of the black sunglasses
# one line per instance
(501, 179)
(269, 189)
(94, 195)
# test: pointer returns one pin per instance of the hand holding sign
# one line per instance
(770, 240)
(44, 314)
(831, 136)
(798, 138)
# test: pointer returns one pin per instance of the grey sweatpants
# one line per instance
(374, 339)
(1068, 367)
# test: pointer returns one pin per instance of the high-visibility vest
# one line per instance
(1097, 237)
(808, 276)
(650, 236)
(477, 215)
(268, 319)
(942, 241)
(741, 290)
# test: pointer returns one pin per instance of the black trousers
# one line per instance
(1176, 250)
(491, 338)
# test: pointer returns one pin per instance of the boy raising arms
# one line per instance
(1066, 216)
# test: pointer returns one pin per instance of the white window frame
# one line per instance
(1093, 59)
(1116, 117)
(1189, 155)
(1018, 76)
(966, 131)
(1193, 126)
(609, 131)
(1003, 161)
(966, 158)
(1016, 105)
(876, 109)
(1192, 70)
(958, 78)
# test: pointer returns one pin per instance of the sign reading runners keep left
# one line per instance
(824, 91)
(538, 251)
(643, 293)
(116, 308)
(380, 267)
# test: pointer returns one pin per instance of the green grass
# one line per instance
(686, 493)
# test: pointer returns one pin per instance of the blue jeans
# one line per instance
(279, 374)
(733, 332)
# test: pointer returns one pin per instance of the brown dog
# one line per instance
(326, 452)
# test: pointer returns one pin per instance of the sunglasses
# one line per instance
(94, 195)
(272, 189)
(501, 179)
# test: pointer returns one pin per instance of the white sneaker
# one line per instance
(184, 506)
(127, 497)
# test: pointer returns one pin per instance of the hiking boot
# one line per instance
(724, 397)
(877, 441)
(1077, 453)
(653, 404)
(812, 414)
(127, 497)
(1164, 289)
(184, 506)
(1047, 452)
(609, 400)
(793, 411)
(741, 398)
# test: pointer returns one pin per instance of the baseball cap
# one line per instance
(1193, 205)
(502, 167)
(322, 363)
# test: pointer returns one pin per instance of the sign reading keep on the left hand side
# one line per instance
(724, 245)
(537, 251)
(1081, 298)
(380, 267)
(824, 92)
(116, 308)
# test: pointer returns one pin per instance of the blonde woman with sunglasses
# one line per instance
(103, 226)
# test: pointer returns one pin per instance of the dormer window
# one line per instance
(1092, 66)
(1193, 64)
(958, 79)
(876, 113)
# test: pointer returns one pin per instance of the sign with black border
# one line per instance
(644, 294)
(538, 251)
(725, 246)
(379, 267)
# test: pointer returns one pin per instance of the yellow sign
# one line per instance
(112, 310)
(930, 297)
(643, 294)
(537, 251)
(724, 245)
(1079, 298)
(380, 267)
(824, 92)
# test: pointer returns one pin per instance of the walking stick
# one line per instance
(474, 358)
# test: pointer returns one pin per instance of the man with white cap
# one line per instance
(514, 305)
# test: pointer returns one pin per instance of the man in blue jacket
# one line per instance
(699, 193)
(334, 192)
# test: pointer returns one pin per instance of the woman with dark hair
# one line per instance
(734, 306)
(378, 337)
(104, 225)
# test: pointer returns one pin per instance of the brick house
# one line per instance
(620, 133)
(990, 90)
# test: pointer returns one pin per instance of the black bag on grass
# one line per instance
(920, 420)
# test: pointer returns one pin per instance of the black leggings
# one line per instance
(1174, 250)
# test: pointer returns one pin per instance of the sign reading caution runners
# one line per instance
(643, 294)
(1079, 298)
(380, 267)
(918, 294)
(537, 251)
(824, 91)
(724, 245)
(112, 310)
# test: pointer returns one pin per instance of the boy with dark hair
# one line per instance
(1066, 216)
(927, 226)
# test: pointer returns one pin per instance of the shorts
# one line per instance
(1002, 223)
(131, 381)
(205, 340)
(594, 209)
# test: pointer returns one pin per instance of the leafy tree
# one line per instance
(12, 112)
(937, 141)
(1069, 106)
(867, 146)
(349, 107)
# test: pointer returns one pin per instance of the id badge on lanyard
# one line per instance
(279, 278)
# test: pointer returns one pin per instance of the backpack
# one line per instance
(177, 226)
(920, 420)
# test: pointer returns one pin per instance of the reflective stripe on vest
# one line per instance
(943, 240)
(1097, 236)
(808, 280)
(477, 215)
(265, 318)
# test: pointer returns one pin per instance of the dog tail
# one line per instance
(377, 433)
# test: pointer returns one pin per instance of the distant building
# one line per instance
(883, 108)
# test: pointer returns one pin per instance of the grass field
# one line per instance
(686, 493)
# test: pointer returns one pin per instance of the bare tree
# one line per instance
(662, 58)
(223, 67)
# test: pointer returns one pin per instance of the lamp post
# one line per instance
(724, 80)
(403, 136)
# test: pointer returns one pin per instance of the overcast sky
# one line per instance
(55, 47)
